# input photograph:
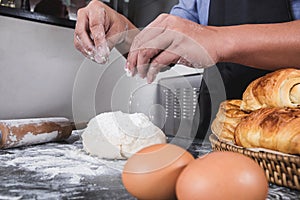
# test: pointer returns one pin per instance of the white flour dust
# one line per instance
(64, 160)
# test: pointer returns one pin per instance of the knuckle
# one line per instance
(177, 44)
(162, 16)
(93, 24)
(131, 59)
(143, 53)
(81, 12)
(171, 20)
(77, 45)
(140, 67)
(134, 53)
(102, 11)
(153, 70)
(93, 3)
(136, 41)
(160, 60)
(78, 31)
(175, 59)
(98, 37)
(154, 66)
(156, 61)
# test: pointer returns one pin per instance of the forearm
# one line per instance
(266, 46)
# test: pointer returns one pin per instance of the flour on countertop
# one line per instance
(64, 171)
(52, 160)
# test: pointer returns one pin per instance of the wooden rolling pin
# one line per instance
(22, 132)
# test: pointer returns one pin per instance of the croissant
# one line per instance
(277, 89)
(227, 118)
(270, 128)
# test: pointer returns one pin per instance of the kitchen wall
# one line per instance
(38, 64)
(42, 75)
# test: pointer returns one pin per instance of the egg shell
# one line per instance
(222, 175)
(152, 172)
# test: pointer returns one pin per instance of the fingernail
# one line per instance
(89, 53)
(128, 72)
(102, 53)
(149, 79)
(101, 59)
(91, 58)
(134, 72)
(103, 49)
(126, 65)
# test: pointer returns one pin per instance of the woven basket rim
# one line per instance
(260, 154)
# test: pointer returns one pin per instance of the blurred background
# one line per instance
(141, 12)
(43, 75)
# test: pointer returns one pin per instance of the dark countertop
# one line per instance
(65, 171)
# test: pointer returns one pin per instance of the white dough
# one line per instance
(117, 135)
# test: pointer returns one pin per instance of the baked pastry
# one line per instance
(270, 128)
(227, 118)
(277, 89)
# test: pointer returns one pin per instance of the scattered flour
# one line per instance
(53, 161)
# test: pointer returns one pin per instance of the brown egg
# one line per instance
(152, 172)
(222, 175)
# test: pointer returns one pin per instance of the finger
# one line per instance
(96, 25)
(143, 60)
(161, 62)
(79, 45)
(154, 69)
(139, 59)
(184, 62)
(97, 19)
(82, 39)
(142, 70)
(134, 51)
(132, 62)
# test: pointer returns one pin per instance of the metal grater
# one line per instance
(179, 98)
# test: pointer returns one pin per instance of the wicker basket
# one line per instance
(280, 169)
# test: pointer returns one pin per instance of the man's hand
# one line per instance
(170, 40)
(98, 29)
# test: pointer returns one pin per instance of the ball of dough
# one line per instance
(118, 135)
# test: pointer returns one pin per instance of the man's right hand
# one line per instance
(99, 28)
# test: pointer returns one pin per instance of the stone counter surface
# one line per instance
(65, 171)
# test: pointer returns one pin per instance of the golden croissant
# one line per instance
(271, 128)
(227, 118)
(277, 89)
